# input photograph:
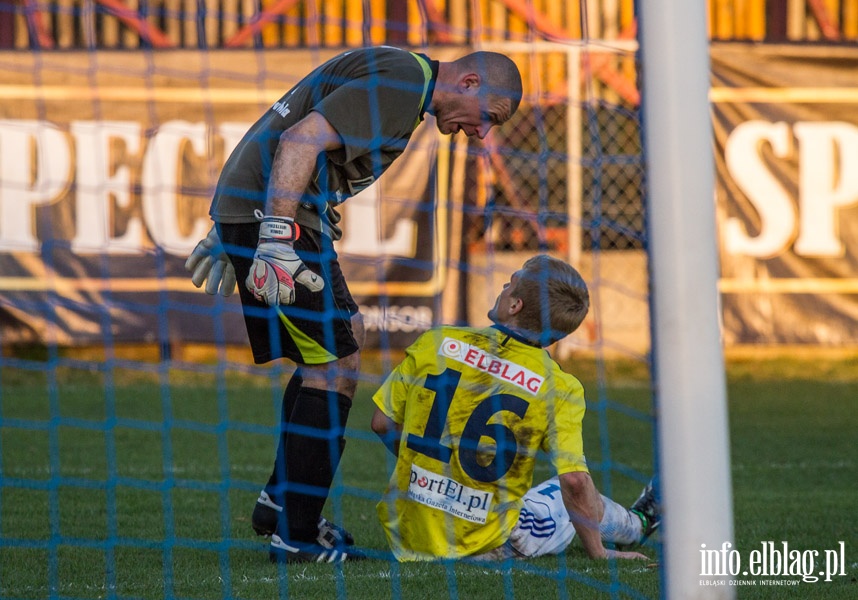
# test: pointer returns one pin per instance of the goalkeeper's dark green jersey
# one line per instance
(475, 406)
(373, 97)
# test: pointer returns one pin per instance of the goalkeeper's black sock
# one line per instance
(274, 489)
(314, 445)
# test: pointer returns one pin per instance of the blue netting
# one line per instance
(135, 435)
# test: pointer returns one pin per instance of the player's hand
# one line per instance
(276, 267)
(626, 555)
(209, 262)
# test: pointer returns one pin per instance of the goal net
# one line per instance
(135, 430)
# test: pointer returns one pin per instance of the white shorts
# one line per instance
(543, 526)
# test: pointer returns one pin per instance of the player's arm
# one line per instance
(295, 161)
(276, 266)
(585, 508)
(391, 397)
(387, 429)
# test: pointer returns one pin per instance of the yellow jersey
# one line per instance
(475, 406)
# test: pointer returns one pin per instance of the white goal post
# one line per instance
(693, 437)
(693, 441)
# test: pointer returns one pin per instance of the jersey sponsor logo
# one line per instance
(481, 360)
(444, 493)
(281, 108)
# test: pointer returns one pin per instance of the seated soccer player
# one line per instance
(466, 412)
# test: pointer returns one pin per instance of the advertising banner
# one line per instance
(786, 130)
(107, 165)
(108, 161)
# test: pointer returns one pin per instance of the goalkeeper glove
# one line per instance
(276, 267)
(209, 261)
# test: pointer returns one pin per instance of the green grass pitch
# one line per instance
(147, 510)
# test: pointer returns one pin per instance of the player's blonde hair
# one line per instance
(555, 298)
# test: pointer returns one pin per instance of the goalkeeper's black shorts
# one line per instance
(317, 328)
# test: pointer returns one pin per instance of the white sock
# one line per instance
(619, 525)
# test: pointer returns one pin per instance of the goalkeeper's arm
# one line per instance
(295, 162)
(277, 268)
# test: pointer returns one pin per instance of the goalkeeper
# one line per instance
(466, 412)
(325, 140)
